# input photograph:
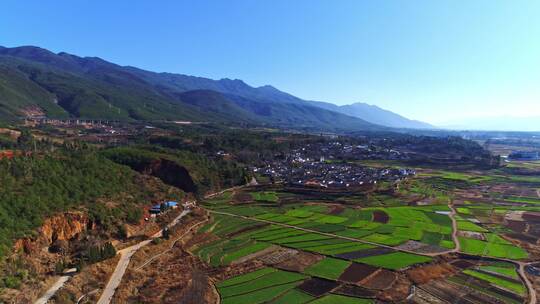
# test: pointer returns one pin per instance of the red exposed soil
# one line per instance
(380, 216)
(336, 209)
(424, 274)
(299, 262)
(357, 272)
(396, 292)
(380, 280)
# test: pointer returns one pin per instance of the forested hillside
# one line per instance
(64, 85)
(35, 187)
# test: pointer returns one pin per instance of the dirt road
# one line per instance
(452, 216)
(530, 288)
(150, 260)
(51, 291)
(116, 277)
(125, 258)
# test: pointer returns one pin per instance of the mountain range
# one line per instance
(64, 85)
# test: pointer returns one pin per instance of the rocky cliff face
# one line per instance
(63, 227)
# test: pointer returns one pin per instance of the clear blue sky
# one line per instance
(436, 61)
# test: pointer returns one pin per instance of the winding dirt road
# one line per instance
(150, 260)
(452, 216)
(530, 288)
(125, 258)
(53, 289)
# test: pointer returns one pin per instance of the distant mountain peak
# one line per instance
(375, 114)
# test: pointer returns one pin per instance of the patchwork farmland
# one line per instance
(278, 245)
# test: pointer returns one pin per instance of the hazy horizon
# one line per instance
(438, 62)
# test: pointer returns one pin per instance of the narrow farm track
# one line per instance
(150, 260)
(452, 216)
(125, 258)
(54, 288)
(520, 265)
(530, 288)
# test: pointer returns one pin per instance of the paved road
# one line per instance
(125, 258)
(51, 291)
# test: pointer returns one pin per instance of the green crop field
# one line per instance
(463, 210)
(293, 296)
(395, 261)
(505, 271)
(301, 213)
(338, 248)
(506, 284)
(242, 252)
(246, 277)
(331, 219)
(328, 268)
(301, 238)
(279, 277)
(260, 296)
(521, 199)
(265, 196)
(477, 247)
(384, 239)
(494, 238)
(469, 226)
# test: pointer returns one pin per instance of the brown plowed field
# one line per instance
(364, 253)
(317, 287)
(299, 261)
(517, 226)
(424, 274)
(380, 217)
(463, 264)
(357, 272)
(380, 280)
(354, 291)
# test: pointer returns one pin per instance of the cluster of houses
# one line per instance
(336, 150)
(309, 167)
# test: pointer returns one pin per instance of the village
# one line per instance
(326, 166)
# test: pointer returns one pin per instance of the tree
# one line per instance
(166, 233)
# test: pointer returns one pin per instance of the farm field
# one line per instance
(363, 246)
(497, 281)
